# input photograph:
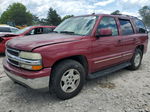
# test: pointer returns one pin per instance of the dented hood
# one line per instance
(28, 43)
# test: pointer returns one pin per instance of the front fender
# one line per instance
(52, 53)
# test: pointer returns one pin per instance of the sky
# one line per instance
(78, 7)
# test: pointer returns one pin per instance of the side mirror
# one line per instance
(104, 32)
(141, 30)
(148, 30)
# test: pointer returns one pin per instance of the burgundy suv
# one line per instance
(80, 48)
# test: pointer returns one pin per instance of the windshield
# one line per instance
(77, 25)
(14, 30)
(22, 30)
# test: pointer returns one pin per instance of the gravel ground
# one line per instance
(122, 91)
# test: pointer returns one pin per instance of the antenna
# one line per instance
(93, 12)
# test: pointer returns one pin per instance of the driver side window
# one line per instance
(36, 31)
(109, 23)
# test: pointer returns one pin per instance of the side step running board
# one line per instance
(108, 70)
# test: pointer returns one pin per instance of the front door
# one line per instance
(106, 50)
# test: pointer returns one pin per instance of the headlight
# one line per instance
(31, 61)
(30, 55)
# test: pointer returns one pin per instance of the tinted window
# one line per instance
(47, 30)
(140, 27)
(126, 27)
(39, 31)
(36, 31)
(109, 23)
(4, 29)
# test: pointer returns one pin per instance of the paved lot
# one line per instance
(122, 91)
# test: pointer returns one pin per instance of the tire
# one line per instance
(136, 60)
(67, 79)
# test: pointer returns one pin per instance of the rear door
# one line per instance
(106, 51)
(128, 39)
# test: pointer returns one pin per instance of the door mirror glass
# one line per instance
(141, 30)
(104, 32)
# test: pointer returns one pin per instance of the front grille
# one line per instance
(13, 62)
(13, 51)
(11, 54)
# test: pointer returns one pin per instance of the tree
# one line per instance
(116, 12)
(145, 14)
(66, 17)
(18, 14)
(43, 21)
(53, 18)
(36, 20)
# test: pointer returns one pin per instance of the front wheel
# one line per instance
(67, 79)
(136, 60)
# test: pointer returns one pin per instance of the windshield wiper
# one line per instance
(68, 32)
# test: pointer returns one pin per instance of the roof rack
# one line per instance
(125, 15)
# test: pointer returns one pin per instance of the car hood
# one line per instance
(8, 35)
(28, 43)
(5, 33)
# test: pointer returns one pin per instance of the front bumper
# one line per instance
(33, 79)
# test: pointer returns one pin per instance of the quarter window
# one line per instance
(140, 27)
(109, 23)
(126, 27)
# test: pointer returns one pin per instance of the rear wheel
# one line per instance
(136, 60)
(67, 79)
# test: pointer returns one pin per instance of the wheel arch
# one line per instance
(141, 47)
(79, 58)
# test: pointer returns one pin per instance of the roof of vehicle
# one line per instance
(123, 16)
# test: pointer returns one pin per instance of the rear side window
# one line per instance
(5, 29)
(140, 27)
(110, 23)
(126, 27)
